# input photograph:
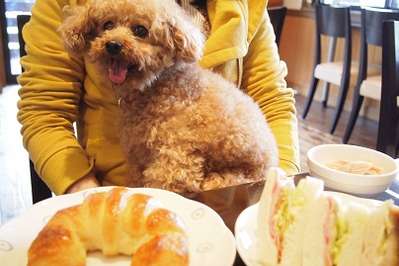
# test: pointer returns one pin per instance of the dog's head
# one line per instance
(133, 41)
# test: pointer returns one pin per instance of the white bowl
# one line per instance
(320, 155)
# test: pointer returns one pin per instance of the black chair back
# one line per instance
(372, 20)
(388, 129)
(277, 18)
(40, 191)
(333, 20)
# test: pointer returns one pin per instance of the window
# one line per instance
(394, 4)
(9, 11)
(370, 3)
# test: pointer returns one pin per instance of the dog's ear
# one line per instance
(187, 39)
(77, 29)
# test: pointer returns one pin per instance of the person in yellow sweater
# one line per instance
(58, 89)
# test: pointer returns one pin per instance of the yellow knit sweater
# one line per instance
(58, 89)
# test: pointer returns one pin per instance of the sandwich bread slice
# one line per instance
(381, 241)
(320, 232)
(351, 225)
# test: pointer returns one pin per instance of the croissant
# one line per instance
(114, 222)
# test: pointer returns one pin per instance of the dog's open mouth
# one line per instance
(118, 70)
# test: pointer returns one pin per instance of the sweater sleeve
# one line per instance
(264, 80)
(51, 88)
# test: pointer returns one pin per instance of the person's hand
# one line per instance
(88, 181)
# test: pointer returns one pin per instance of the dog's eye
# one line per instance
(109, 25)
(140, 31)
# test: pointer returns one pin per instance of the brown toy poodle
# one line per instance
(184, 128)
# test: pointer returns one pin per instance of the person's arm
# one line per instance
(88, 181)
(51, 89)
(263, 80)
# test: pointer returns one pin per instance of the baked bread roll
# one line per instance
(114, 222)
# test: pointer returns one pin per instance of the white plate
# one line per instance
(246, 235)
(246, 229)
(211, 242)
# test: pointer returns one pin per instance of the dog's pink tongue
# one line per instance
(117, 72)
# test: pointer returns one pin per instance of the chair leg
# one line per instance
(395, 148)
(396, 140)
(387, 133)
(357, 104)
(309, 99)
(397, 145)
(388, 130)
(326, 94)
(340, 107)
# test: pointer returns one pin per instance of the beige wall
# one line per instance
(275, 3)
(297, 48)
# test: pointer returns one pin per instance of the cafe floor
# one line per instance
(14, 168)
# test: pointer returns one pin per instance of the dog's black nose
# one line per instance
(113, 47)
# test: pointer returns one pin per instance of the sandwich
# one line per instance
(283, 213)
(306, 226)
(335, 232)
(273, 199)
(381, 240)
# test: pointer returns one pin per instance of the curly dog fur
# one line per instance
(184, 128)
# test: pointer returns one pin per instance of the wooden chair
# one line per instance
(388, 128)
(368, 85)
(277, 18)
(40, 191)
(334, 22)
